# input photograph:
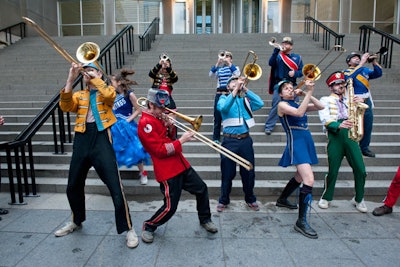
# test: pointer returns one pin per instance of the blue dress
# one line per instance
(127, 146)
(299, 143)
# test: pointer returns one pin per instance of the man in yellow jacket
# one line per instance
(93, 148)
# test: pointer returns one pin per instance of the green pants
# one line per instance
(339, 146)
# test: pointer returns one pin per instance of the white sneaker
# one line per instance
(323, 203)
(361, 207)
(132, 240)
(67, 229)
(143, 178)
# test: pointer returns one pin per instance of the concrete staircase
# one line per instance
(32, 72)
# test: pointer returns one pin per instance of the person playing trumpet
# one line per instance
(222, 70)
(171, 169)
(237, 118)
(285, 65)
(361, 76)
(163, 77)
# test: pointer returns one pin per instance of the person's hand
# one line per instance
(74, 71)
(187, 136)
(347, 124)
(291, 73)
(1, 120)
(364, 58)
(310, 85)
(299, 92)
(358, 99)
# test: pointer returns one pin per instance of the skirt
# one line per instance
(127, 146)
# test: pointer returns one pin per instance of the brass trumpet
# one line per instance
(272, 42)
(142, 102)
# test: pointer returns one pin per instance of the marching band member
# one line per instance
(92, 148)
(334, 118)
(222, 70)
(300, 149)
(237, 119)
(171, 168)
(285, 65)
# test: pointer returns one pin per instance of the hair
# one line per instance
(125, 82)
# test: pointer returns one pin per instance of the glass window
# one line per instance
(70, 12)
(92, 11)
(300, 9)
(362, 14)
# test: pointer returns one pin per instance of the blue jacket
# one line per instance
(361, 76)
(280, 69)
(235, 118)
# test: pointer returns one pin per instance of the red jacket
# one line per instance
(166, 154)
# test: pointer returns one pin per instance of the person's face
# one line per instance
(233, 85)
(287, 91)
(91, 73)
(156, 110)
(287, 46)
(338, 88)
(115, 83)
(354, 61)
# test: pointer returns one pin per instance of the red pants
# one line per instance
(394, 190)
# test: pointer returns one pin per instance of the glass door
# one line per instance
(251, 18)
(203, 16)
(179, 18)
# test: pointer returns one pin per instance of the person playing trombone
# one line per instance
(285, 65)
(237, 119)
(171, 168)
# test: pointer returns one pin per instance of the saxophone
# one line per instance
(356, 114)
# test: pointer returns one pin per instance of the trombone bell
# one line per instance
(87, 52)
(253, 71)
(311, 72)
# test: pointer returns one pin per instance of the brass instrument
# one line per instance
(86, 53)
(272, 42)
(382, 51)
(356, 114)
(252, 71)
(164, 57)
(312, 72)
(222, 55)
(142, 102)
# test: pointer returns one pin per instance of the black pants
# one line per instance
(190, 181)
(93, 148)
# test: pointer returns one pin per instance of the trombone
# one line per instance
(87, 52)
(312, 72)
(252, 71)
(142, 102)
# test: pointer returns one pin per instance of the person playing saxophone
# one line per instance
(334, 118)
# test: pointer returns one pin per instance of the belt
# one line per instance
(237, 136)
(222, 93)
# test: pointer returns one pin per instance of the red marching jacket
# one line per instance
(166, 154)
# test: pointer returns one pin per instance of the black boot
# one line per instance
(302, 225)
(287, 191)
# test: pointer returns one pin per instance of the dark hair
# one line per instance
(125, 82)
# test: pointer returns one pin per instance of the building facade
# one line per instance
(106, 17)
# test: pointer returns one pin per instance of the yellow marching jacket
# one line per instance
(78, 103)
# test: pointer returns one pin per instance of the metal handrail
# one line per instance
(327, 33)
(15, 150)
(18, 29)
(387, 41)
(149, 35)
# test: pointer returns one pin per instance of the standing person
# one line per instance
(334, 117)
(287, 66)
(164, 77)
(391, 197)
(222, 71)
(2, 211)
(171, 168)
(300, 149)
(361, 76)
(92, 147)
(129, 151)
(237, 119)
